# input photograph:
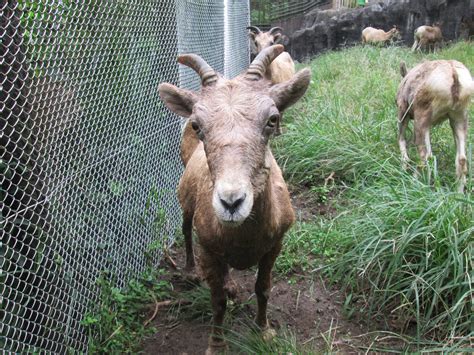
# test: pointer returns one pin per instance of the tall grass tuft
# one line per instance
(408, 248)
(253, 343)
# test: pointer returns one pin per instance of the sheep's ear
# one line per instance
(178, 100)
(252, 36)
(403, 69)
(287, 93)
(276, 38)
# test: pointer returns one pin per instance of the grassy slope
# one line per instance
(401, 242)
(347, 121)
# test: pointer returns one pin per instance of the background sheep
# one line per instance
(375, 36)
(427, 37)
(430, 93)
(232, 190)
(282, 68)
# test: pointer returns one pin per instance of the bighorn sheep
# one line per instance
(427, 37)
(376, 36)
(232, 190)
(429, 93)
(282, 68)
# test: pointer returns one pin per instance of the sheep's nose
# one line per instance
(231, 202)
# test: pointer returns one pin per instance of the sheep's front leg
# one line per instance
(189, 273)
(262, 290)
(215, 273)
(429, 153)
(459, 126)
(188, 242)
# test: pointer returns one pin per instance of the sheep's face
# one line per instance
(235, 119)
(263, 40)
(235, 125)
(395, 34)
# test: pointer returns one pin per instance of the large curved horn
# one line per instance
(254, 29)
(274, 30)
(258, 67)
(199, 65)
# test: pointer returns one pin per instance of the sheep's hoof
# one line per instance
(268, 334)
(216, 347)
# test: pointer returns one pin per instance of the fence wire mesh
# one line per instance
(89, 155)
(266, 11)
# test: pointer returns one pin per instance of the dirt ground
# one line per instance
(306, 308)
(300, 304)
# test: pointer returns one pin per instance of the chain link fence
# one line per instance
(89, 155)
(265, 12)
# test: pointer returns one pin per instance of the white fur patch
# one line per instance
(466, 82)
(230, 187)
(440, 82)
(420, 30)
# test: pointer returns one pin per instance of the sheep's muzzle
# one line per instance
(232, 201)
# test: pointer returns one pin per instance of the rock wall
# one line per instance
(293, 23)
(323, 30)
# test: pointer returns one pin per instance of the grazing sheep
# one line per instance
(375, 36)
(232, 191)
(427, 37)
(282, 68)
(429, 93)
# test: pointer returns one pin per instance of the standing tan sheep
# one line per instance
(232, 191)
(430, 93)
(427, 37)
(375, 36)
(283, 67)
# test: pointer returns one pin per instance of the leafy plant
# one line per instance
(118, 322)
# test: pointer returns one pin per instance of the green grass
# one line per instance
(403, 244)
(408, 249)
(252, 343)
(305, 245)
(196, 304)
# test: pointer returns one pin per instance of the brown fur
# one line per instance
(189, 142)
(232, 116)
(376, 36)
(427, 37)
(281, 69)
(429, 94)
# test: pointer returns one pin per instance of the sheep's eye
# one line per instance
(197, 130)
(272, 121)
(195, 127)
(272, 43)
